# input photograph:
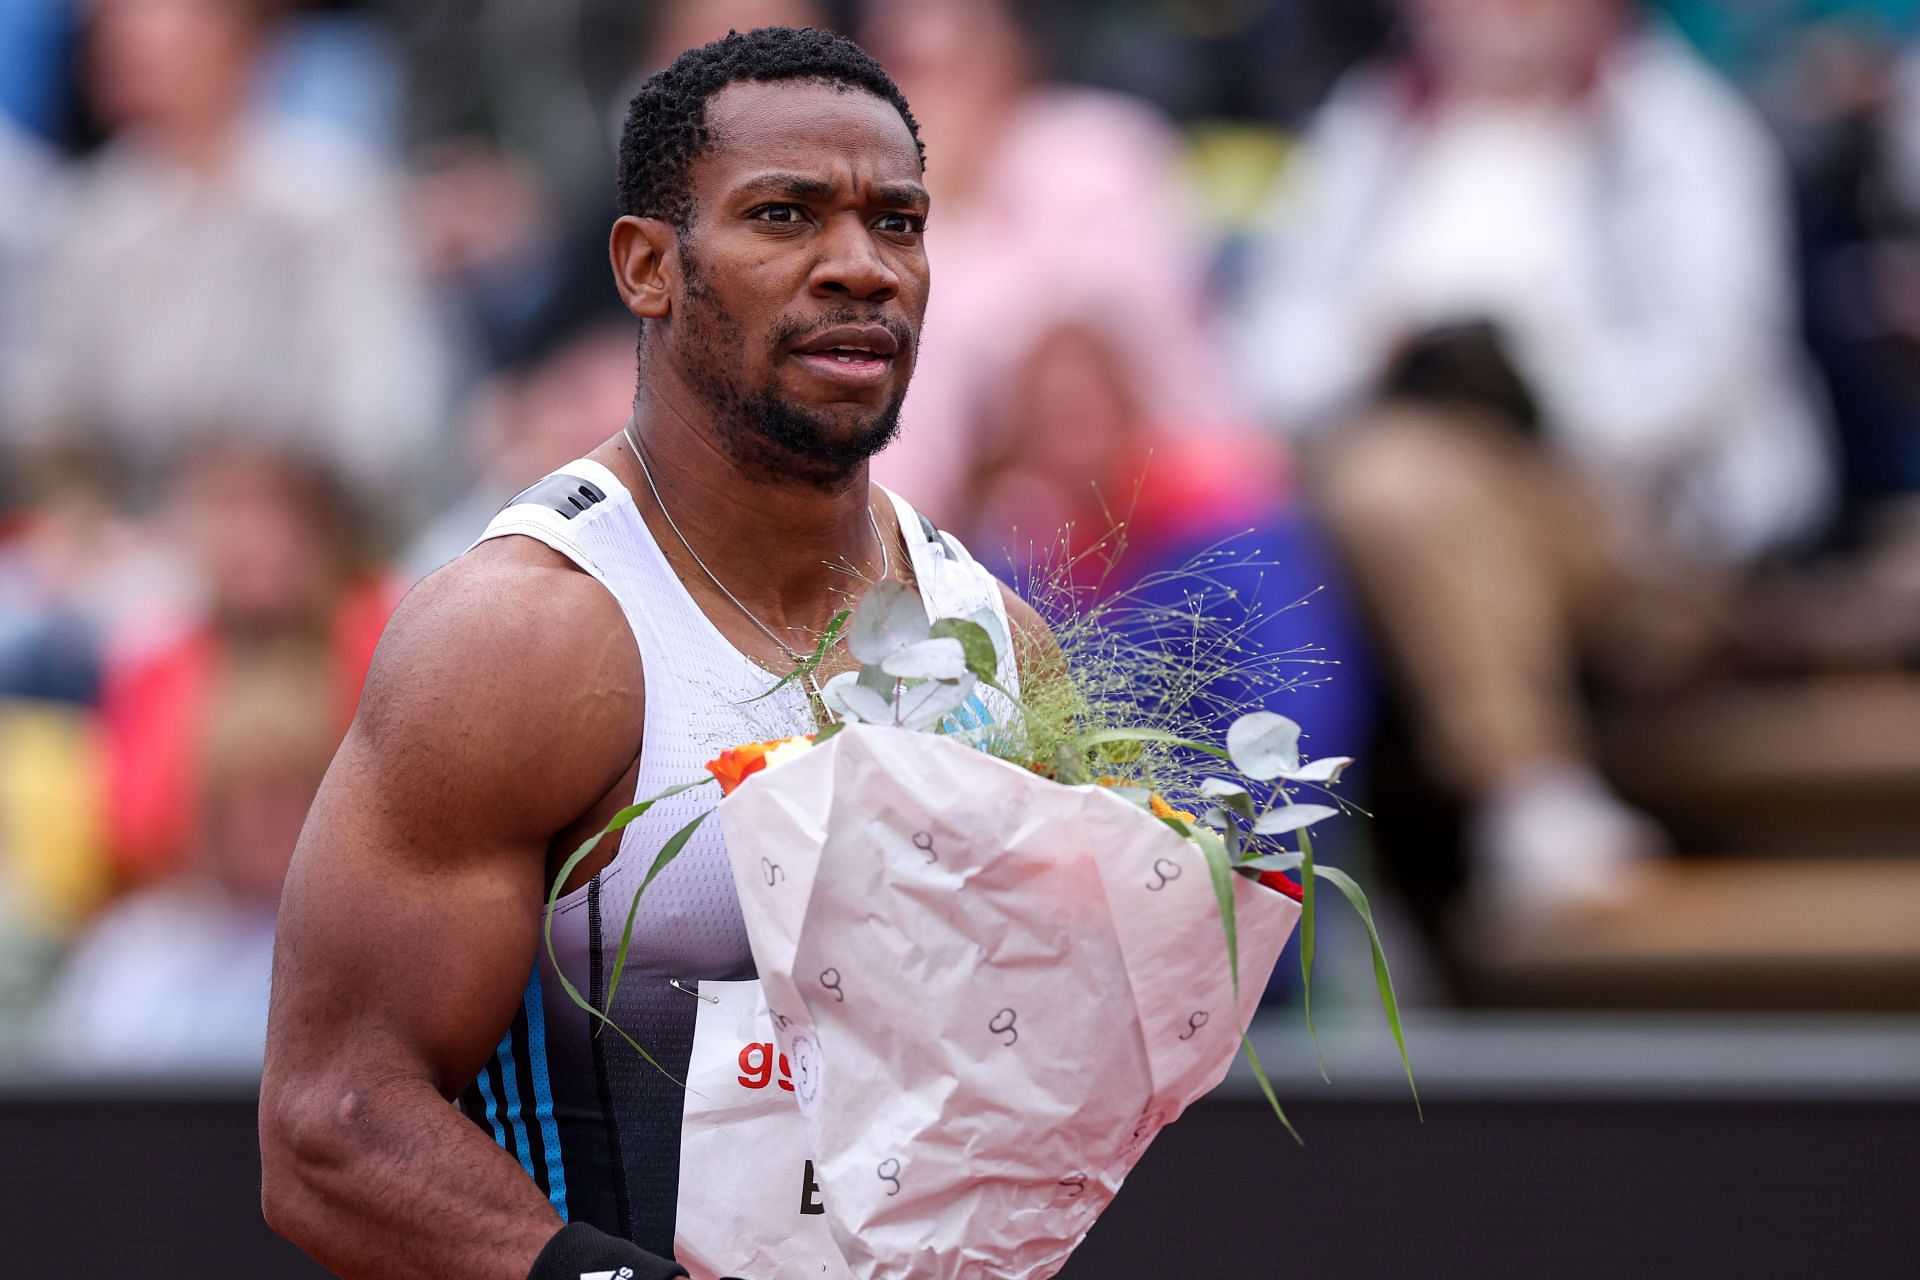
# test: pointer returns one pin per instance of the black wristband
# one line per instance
(581, 1252)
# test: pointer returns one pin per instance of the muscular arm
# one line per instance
(503, 703)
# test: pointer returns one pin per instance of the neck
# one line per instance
(792, 553)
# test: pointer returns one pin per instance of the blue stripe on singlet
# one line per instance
(491, 1107)
(543, 1095)
(511, 1086)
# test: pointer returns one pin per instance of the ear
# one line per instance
(645, 262)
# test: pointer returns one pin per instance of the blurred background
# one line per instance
(1552, 368)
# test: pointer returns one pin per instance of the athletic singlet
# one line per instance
(591, 1122)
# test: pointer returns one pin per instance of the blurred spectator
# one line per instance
(289, 606)
(554, 404)
(1158, 510)
(1051, 205)
(176, 975)
(1534, 280)
(33, 66)
(215, 265)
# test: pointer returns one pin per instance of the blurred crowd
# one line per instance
(1559, 350)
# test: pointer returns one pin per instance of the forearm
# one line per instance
(391, 1182)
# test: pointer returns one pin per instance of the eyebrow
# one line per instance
(803, 187)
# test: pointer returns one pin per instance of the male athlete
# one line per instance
(610, 632)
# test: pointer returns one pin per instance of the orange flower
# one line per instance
(734, 767)
(1161, 809)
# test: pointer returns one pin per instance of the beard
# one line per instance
(765, 433)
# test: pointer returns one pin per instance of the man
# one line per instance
(772, 247)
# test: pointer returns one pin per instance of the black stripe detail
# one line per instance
(497, 1082)
(529, 1106)
(560, 493)
(596, 995)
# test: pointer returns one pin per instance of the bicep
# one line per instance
(402, 949)
(497, 710)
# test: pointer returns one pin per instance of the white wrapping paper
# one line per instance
(750, 1203)
(993, 992)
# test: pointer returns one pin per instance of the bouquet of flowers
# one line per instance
(993, 960)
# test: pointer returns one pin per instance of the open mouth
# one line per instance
(859, 355)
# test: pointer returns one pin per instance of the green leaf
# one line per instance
(1101, 738)
(1221, 872)
(827, 734)
(1266, 1087)
(1307, 918)
(828, 639)
(668, 852)
(1263, 745)
(618, 822)
(982, 658)
(1120, 752)
(1382, 979)
(1220, 868)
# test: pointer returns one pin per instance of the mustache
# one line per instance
(793, 329)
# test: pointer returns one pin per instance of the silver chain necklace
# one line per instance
(886, 557)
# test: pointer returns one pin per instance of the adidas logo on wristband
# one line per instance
(624, 1273)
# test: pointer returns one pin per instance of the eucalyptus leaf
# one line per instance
(926, 704)
(1292, 817)
(936, 659)
(1325, 771)
(1138, 797)
(874, 678)
(1233, 797)
(1269, 862)
(989, 621)
(847, 698)
(982, 658)
(890, 618)
(1263, 745)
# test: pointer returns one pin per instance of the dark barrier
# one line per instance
(1800, 1179)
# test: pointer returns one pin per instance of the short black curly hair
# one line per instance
(666, 128)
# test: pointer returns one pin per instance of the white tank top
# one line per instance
(607, 1139)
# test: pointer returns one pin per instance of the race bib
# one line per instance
(749, 1207)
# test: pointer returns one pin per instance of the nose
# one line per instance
(851, 265)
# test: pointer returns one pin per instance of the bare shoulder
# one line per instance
(507, 673)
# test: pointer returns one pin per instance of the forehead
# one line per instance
(805, 126)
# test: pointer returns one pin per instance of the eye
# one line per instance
(901, 224)
(780, 215)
